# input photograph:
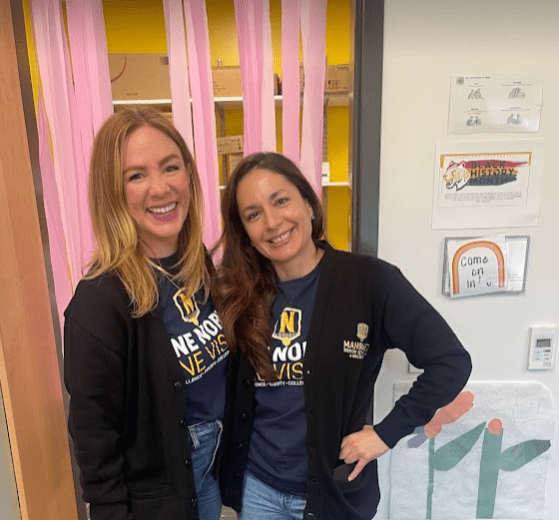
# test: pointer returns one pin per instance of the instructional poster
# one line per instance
(487, 184)
(495, 104)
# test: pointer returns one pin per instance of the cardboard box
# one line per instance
(168, 115)
(336, 78)
(229, 144)
(139, 76)
(146, 76)
(234, 160)
(227, 81)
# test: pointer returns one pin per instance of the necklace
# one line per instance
(166, 274)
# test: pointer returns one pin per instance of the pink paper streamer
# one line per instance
(178, 70)
(57, 245)
(268, 101)
(75, 106)
(90, 65)
(290, 16)
(203, 110)
(80, 156)
(255, 53)
(59, 101)
(313, 29)
(250, 56)
(92, 102)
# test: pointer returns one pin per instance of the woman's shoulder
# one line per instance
(360, 264)
(364, 274)
(98, 295)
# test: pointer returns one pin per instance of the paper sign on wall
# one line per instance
(485, 455)
(484, 265)
(495, 104)
(482, 184)
(477, 267)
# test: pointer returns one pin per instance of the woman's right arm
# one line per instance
(95, 377)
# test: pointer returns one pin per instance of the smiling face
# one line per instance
(277, 220)
(156, 189)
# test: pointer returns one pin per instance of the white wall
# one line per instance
(425, 43)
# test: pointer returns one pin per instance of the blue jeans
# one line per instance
(204, 442)
(262, 502)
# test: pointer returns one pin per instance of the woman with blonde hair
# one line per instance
(308, 327)
(145, 356)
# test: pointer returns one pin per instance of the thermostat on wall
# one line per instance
(541, 354)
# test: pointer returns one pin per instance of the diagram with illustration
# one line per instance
(495, 104)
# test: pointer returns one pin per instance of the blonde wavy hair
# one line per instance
(117, 244)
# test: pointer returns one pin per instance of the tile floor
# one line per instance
(228, 514)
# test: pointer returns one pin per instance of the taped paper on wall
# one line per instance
(487, 184)
(495, 104)
(485, 455)
(484, 265)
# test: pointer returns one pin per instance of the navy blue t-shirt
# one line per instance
(198, 341)
(277, 454)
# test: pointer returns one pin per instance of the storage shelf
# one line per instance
(233, 103)
(236, 103)
(335, 184)
(324, 185)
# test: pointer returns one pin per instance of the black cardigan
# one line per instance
(353, 290)
(127, 408)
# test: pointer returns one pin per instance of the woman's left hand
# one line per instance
(363, 447)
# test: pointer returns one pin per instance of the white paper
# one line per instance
(495, 104)
(477, 267)
(525, 413)
(487, 184)
(517, 251)
(515, 255)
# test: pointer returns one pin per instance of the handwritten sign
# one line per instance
(477, 266)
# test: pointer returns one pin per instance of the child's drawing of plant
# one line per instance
(446, 457)
(492, 459)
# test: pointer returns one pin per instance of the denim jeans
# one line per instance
(204, 442)
(262, 502)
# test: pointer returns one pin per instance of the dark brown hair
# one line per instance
(246, 281)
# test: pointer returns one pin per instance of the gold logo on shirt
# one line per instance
(288, 327)
(362, 331)
(188, 307)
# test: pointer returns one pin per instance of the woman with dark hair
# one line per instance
(308, 326)
(145, 355)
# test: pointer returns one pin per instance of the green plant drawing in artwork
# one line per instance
(453, 452)
(492, 459)
(447, 456)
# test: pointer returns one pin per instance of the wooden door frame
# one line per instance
(29, 361)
